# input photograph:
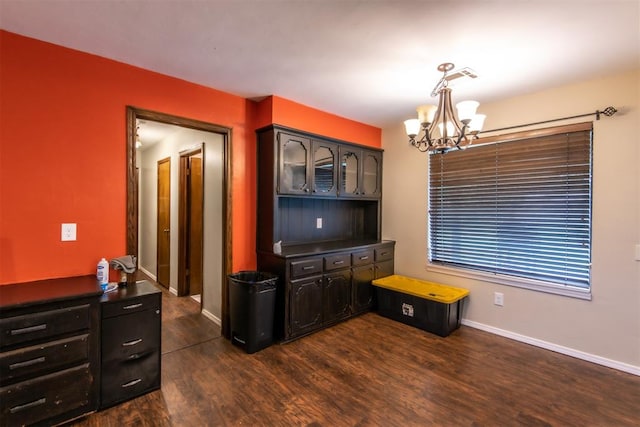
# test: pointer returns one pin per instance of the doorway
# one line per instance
(190, 273)
(217, 205)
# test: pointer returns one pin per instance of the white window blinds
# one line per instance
(518, 207)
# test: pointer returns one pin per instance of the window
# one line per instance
(516, 207)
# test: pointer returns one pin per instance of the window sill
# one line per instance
(534, 285)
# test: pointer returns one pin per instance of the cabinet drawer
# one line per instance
(35, 400)
(122, 380)
(133, 305)
(29, 327)
(26, 362)
(336, 262)
(131, 336)
(362, 257)
(384, 253)
(306, 267)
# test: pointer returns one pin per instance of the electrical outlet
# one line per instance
(68, 232)
(318, 222)
(498, 298)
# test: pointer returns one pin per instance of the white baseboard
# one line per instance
(148, 273)
(211, 317)
(620, 366)
(173, 291)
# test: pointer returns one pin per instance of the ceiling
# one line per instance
(372, 61)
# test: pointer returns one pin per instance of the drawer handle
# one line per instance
(383, 253)
(364, 257)
(26, 363)
(132, 342)
(35, 328)
(131, 383)
(132, 306)
(338, 262)
(308, 267)
(19, 408)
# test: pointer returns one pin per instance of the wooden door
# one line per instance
(191, 209)
(163, 250)
(195, 225)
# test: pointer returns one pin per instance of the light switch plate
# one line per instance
(318, 222)
(68, 232)
(637, 252)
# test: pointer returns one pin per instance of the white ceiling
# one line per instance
(372, 61)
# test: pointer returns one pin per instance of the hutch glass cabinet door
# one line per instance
(371, 174)
(324, 169)
(349, 164)
(294, 165)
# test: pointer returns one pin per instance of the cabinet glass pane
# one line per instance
(349, 172)
(370, 178)
(323, 170)
(294, 170)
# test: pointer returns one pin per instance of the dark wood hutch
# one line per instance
(318, 227)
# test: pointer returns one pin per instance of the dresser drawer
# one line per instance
(384, 253)
(41, 398)
(131, 336)
(46, 324)
(40, 359)
(306, 267)
(133, 305)
(123, 380)
(362, 257)
(336, 262)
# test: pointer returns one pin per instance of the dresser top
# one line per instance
(45, 291)
(132, 290)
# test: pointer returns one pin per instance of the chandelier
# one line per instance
(442, 131)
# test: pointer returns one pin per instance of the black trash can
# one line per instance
(252, 297)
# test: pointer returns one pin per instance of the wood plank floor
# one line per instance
(371, 371)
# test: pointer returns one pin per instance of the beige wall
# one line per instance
(605, 329)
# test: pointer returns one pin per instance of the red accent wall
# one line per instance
(63, 156)
(289, 113)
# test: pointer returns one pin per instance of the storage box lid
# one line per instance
(421, 288)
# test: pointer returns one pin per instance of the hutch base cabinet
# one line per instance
(319, 287)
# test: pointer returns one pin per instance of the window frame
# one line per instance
(515, 281)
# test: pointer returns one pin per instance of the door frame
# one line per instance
(183, 209)
(133, 114)
(164, 160)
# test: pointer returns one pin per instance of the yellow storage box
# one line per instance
(432, 307)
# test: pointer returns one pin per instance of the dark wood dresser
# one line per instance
(130, 351)
(49, 345)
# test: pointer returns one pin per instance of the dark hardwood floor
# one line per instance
(371, 371)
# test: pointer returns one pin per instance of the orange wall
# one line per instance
(275, 109)
(63, 157)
